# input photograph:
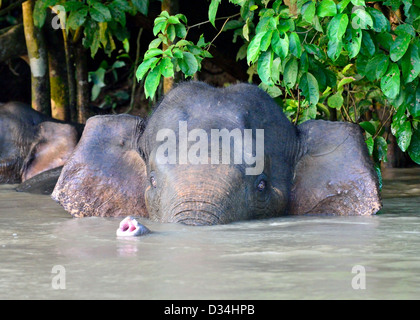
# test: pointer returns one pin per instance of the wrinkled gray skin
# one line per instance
(32, 143)
(317, 167)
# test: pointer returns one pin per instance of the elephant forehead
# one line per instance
(112, 126)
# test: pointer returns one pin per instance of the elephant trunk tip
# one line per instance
(130, 227)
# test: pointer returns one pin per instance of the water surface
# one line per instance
(281, 258)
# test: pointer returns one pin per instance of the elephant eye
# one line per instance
(261, 185)
(153, 182)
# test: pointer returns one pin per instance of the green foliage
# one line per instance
(336, 55)
(101, 22)
(97, 77)
(179, 54)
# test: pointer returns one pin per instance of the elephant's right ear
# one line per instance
(334, 174)
(106, 174)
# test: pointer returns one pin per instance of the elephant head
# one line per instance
(212, 156)
(32, 143)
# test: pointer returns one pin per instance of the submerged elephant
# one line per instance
(32, 143)
(197, 160)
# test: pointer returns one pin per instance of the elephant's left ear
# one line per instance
(334, 173)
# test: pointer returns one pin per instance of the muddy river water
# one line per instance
(46, 254)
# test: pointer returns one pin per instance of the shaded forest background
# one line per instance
(110, 74)
(98, 57)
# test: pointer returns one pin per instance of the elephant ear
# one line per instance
(334, 174)
(52, 146)
(106, 174)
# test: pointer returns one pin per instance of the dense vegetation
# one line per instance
(346, 60)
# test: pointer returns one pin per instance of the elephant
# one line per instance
(32, 143)
(209, 156)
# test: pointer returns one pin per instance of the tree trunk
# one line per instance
(58, 74)
(38, 60)
(71, 77)
(83, 92)
(12, 42)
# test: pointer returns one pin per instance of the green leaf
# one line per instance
(334, 49)
(214, 5)
(142, 6)
(97, 78)
(77, 18)
(159, 26)
(100, 12)
(368, 46)
(117, 11)
(361, 64)
(358, 2)
(390, 82)
(315, 50)
(152, 82)
(327, 8)
(91, 38)
(336, 100)
(414, 148)
(180, 30)
(398, 119)
(280, 45)
(273, 91)
(394, 4)
(155, 43)
(308, 11)
(403, 135)
(370, 144)
(399, 47)
(353, 42)
(361, 19)
(380, 150)
(153, 52)
(414, 102)
(308, 113)
(245, 30)
(40, 13)
(122, 4)
(144, 67)
(295, 46)
(118, 64)
(385, 40)
(188, 64)
(276, 70)
(344, 81)
(266, 40)
(72, 5)
(368, 127)
(342, 5)
(170, 31)
(265, 64)
(290, 73)
(173, 20)
(266, 24)
(376, 67)
(380, 22)
(309, 86)
(337, 27)
(410, 63)
(254, 48)
(405, 28)
(166, 67)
